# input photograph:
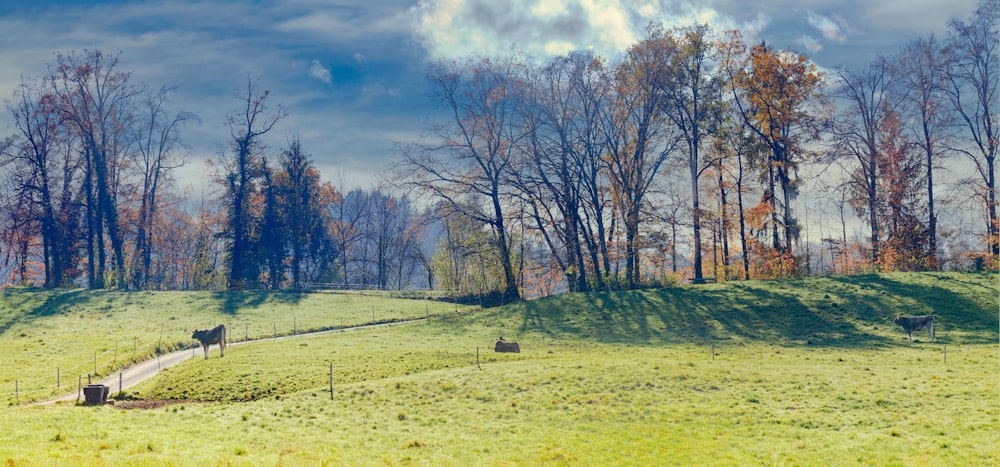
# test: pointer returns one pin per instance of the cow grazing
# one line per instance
(207, 337)
(504, 346)
(916, 323)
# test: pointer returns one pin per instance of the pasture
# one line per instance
(807, 372)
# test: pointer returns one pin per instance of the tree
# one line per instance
(639, 136)
(736, 141)
(469, 164)
(593, 90)
(389, 237)
(155, 155)
(306, 217)
(692, 102)
(900, 180)
(920, 67)
(464, 259)
(348, 213)
(858, 132)
(96, 102)
(242, 171)
(779, 96)
(550, 176)
(973, 75)
(43, 171)
(270, 245)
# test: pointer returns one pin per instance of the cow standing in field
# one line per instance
(916, 323)
(207, 337)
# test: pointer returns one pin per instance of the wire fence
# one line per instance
(34, 383)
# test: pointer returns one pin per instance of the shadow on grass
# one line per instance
(24, 306)
(230, 302)
(850, 311)
(956, 302)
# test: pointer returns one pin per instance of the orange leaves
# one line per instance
(758, 216)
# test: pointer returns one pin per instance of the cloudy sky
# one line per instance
(351, 72)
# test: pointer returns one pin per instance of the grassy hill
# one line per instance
(837, 311)
(805, 372)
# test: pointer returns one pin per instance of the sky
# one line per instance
(351, 73)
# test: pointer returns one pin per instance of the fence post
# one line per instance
(946, 354)
(331, 381)
(274, 327)
(17, 393)
(246, 333)
(477, 358)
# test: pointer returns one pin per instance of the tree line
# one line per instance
(89, 196)
(683, 157)
(586, 157)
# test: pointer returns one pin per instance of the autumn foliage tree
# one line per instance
(780, 96)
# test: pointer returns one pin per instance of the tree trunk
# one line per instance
(696, 208)
(743, 224)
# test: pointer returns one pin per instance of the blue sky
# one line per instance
(351, 73)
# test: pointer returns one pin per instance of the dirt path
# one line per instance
(142, 371)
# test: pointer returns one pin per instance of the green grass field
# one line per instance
(805, 372)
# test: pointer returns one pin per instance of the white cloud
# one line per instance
(549, 8)
(832, 29)
(810, 43)
(451, 28)
(320, 72)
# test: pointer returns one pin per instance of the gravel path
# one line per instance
(142, 371)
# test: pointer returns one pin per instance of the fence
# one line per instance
(35, 384)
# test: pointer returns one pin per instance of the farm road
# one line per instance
(142, 371)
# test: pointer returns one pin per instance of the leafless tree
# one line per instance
(469, 163)
(973, 76)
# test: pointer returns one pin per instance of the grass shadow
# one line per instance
(231, 301)
(851, 311)
(26, 305)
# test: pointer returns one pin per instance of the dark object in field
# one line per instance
(916, 323)
(95, 394)
(207, 337)
(504, 346)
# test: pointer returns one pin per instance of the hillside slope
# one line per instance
(835, 310)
